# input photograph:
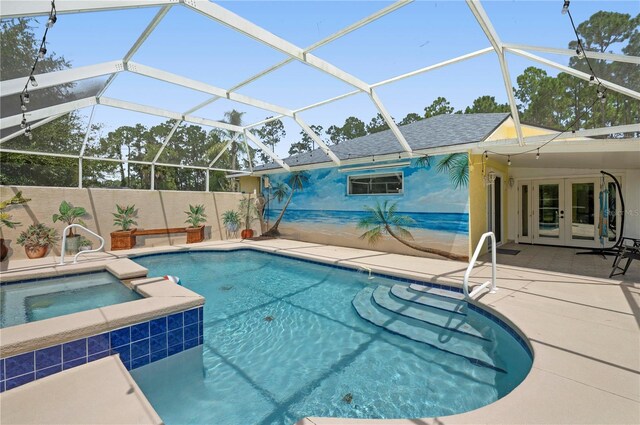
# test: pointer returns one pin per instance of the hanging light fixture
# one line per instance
(538, 154)
(592, 80)
(565, 7)
(23, 123)
(580, 51)
(28, 133)
(42, 52)
(33, 81)
(509, 160)
(52, 21)
(25, 97)
(603, 98)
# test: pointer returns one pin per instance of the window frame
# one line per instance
(373, 175)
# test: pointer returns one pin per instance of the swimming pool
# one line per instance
(34, 300)
(285, 339)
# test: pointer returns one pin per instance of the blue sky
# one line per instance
(417, 35)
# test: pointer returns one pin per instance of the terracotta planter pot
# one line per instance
(123, 239)
(3, 250)
(246, 233)
(195, 234)
(36, 251)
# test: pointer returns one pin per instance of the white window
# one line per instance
(376, 184)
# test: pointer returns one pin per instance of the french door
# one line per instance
(565, 212)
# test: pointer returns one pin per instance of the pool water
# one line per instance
(35, 300)
(282, 341)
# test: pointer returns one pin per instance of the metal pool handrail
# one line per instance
(64, 243)
(492, 282)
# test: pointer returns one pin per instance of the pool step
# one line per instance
(445, 303)
(421, 331)
(447, 321)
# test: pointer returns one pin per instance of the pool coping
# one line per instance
(565, 385)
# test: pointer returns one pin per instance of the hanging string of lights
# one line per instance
(24, 95)
(593, 81)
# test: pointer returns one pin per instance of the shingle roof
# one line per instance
(435, 132)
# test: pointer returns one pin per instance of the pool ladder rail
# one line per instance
(364, 269)
(64, 243)
(492, 282)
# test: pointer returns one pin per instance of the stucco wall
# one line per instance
(478, 199)
(156, 209)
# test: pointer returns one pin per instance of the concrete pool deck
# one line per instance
(583, 331)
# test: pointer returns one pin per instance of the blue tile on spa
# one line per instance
(97, 356)
(201, 328)
(175, 349)
(19, 365)
(158, 355)
(191, 317)
(140, 348)
(175, 321)
(74, 350)
(120, 337)
(124, 351)
(200, 340)
(191, 343)
(175, 337)
(48, 357)
(42, 373)
(140, 361)
(74, 363)
(1, 386)
(140, 331)
(19, 380)
(158, 342)
(158, 326)
(191, 332)
(1, 369)
(98, 343)
(200, 314)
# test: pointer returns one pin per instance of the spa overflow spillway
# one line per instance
(33, 300)
(285, 339)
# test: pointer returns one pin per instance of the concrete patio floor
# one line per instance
(583, 328)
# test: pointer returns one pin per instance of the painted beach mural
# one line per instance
(417, 208)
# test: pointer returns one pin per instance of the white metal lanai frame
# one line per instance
(19, 8)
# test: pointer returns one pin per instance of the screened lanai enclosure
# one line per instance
(188, 95)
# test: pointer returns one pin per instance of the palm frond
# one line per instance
(459, 172)
(447, 161)
(403, 233)
(372, 236)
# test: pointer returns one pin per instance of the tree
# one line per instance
(353, 128)
(486, 104)
(233, 117)
(411, 117)
(306, 144)
(270, 134)
(439, 106)
(336, 136)
(377, 124)
(383, 219)
(296, 181)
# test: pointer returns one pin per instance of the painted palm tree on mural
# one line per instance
(385, 220)
(296, 181)
(457, 165)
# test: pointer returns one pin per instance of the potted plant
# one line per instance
(70, 215)
(248, 214)
(85, 244)
(124, 218)
(37, 239)
(195, 218)
(231, 221)
(6, 219)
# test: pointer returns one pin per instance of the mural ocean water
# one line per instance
(430, 210)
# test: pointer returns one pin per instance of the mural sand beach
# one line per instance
(432, 208)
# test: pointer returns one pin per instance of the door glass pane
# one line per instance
(549, 211)
(524, 211)
(582, 211)
(612, 211)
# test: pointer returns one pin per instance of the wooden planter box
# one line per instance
(123, 239)
(195, 234)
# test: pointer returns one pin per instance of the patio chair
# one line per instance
(629, 249)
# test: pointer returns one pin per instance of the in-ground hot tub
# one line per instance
(33, 300)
